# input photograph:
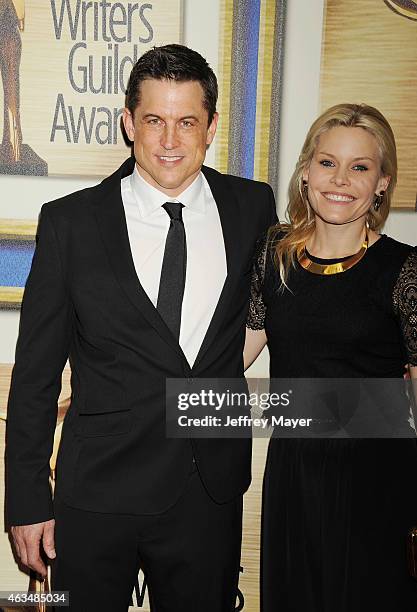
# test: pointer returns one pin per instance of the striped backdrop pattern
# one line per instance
(250, 84)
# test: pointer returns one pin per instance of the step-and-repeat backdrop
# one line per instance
(65, 66)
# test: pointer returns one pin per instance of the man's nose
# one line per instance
(169, 137)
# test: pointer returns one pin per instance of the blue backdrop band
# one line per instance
(15, 261)
(248, 126)
(243, 90)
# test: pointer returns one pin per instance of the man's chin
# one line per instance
(170, 188)
(160, 181)
(175, 184)
(170, 185)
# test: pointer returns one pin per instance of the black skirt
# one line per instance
(336, 513)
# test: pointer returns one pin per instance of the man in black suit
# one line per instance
(141, 278)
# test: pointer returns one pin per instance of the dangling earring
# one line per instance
(379, 198)
(304, 193)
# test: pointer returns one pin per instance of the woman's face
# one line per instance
(344, 175)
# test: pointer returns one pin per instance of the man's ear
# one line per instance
(212, 129)
(129, 124)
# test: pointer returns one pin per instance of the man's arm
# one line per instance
(273, 217)
(41, 352)
(30, 540)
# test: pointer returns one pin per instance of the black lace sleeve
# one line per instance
(256, 315)
(405, 304)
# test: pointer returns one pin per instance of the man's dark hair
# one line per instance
(176, 63)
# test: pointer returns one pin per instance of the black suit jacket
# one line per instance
(83, 300)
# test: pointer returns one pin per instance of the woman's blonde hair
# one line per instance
(288, 239)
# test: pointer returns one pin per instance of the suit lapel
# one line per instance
(229, 217)
(111, 220)
(113, 229)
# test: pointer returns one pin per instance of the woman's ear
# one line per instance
(382, 185)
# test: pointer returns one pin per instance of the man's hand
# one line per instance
(28, 540)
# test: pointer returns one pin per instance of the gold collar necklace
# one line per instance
(332, 268)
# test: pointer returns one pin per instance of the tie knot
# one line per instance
(174, 209)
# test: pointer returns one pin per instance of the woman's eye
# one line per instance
(327, 163)
(360, 168)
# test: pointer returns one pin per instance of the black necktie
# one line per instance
(172, 283)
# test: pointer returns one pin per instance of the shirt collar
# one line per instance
(149, 199)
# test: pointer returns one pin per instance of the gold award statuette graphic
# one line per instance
(65, 65)
(406, 8)
(15, 156)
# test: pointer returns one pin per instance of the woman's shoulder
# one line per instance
(397, 245)
(394, 252)
(265, 248)
(267, 242)
(273, 235)
(394, 263)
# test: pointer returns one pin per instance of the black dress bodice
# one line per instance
(358, 323)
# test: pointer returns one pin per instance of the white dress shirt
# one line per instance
(148, 224)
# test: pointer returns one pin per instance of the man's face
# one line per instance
(170, 133)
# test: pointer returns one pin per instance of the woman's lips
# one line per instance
(343, 198)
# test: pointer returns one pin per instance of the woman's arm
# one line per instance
(405, 306)
(254, 343)
(413, 375)
(255, 333)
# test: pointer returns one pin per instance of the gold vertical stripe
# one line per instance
(264, 88)
(225, 71)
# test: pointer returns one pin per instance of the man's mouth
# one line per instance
(169, 158)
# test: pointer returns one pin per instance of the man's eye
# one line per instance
(360, 168)
(154, 121)
(187, 124)
(327, 163)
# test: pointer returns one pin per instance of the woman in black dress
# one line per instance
(335, 299)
